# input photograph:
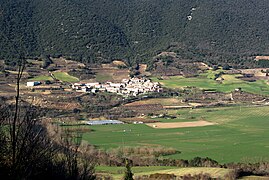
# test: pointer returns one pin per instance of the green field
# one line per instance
(100, 77)
(42, 78)
(117, 172)
(204, 81)
(65, 77)
(240, 135)
(211, 74)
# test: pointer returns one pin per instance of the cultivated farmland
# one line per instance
(229, 83)
(180, 124)
(42, 78)
(65, 77)
(117, 172)
(239, 135)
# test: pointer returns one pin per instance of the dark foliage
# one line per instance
(242, 169)
(31, 149)
(83, 73)
(37, 153)
(98, 31)
(203, 162)
(46, 61)
(128, 175)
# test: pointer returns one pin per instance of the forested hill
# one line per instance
(100, 30)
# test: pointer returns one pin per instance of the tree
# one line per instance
(76, 157)
(128, 172)
(226, 67)
(25, 145)
(29, 149)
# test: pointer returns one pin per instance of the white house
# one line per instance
(117, 85)
(84, 89)
(92, 84)
(34, 83)
(94, 90)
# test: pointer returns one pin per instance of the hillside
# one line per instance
(101, 30)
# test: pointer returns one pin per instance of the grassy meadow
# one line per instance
(42, 78)
(65, 77)
(102, 77)
(241, 134)
(205, 81)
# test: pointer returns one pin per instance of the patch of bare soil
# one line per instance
(65, 65)
(257, 58)
(257, 72)
(143, 68)
(180, 124)
(118, 75)
(119, 63)
(108, 66)
(203, 66)
(144, 106)
(172, 54)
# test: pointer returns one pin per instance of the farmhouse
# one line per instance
(92, 84)
(77, 86)
(34, 83)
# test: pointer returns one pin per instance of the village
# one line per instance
(128, 87)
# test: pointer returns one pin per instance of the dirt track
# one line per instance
(180, 124)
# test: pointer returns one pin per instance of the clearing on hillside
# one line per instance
(108, 72)
(257, 58)
(181, 124)
(65, 77)
(118, 63)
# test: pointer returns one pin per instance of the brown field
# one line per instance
(162, 101)
(65, 65)
(57, 105)
(180, 124)
(110, 74)
(145, 108)
(143, 68)
(6, 90)
(108, 66)
(119, 63)
(256, 71)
